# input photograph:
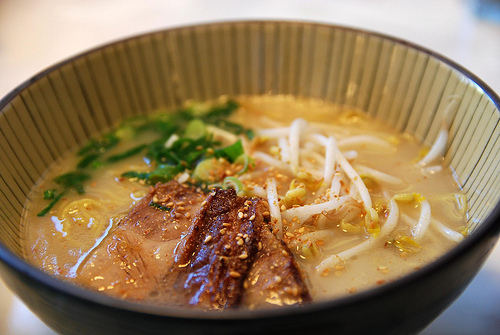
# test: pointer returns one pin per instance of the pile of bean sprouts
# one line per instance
(341, 183)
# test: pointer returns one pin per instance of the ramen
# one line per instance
(264, 201)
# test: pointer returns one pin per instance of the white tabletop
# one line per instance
(36, 34)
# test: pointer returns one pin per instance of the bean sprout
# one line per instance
(423, 222)
(296, 130)
(447, 232)
(305, 212)
(439, 146)
(379, 175)
(390, 224)
(274, 209)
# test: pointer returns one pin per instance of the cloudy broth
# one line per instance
(325, 244)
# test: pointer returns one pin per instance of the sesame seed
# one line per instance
(240, 215)
(259, 246)
(240, 242)
(208, 238)
(223, 231)
(284, 253)
(283, 208)
(278, 279)
(243, 256)
(234, 274)
(225, 224)
(252, 217)
(266, 213)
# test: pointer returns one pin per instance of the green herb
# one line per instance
(49, 194)
(231, 152)
(190, 145)
(51, 204)
(73, 180)
(222, 111)
(105, 143)
(164, 173)
(134, 175)
(160, 207)
(126, 154)
(87, 160)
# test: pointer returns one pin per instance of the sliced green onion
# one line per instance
(195, 129)
(204, 169)
(235, 183)
(244, 160)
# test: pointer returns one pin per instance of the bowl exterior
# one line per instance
(389, 79)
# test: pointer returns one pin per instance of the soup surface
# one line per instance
(327, 202)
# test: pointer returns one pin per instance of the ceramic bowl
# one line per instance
(390, 79)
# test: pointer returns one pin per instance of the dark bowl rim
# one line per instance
(489, 228)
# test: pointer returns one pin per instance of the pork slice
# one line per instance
(213, 260)
(165, 213)
(275, 278)
(178, 246)
(131, 261)
(230, 258)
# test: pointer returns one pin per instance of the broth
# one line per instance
(344, 247)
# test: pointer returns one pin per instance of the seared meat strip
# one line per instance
(231, 254)
(215, 257)
(275, 278)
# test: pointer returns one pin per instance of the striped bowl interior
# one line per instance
(389, 79)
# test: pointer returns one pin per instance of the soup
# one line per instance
(263, 202)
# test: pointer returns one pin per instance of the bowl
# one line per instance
(389, 79)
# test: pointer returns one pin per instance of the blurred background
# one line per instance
(35, 34)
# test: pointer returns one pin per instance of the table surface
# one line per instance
(36, 34)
